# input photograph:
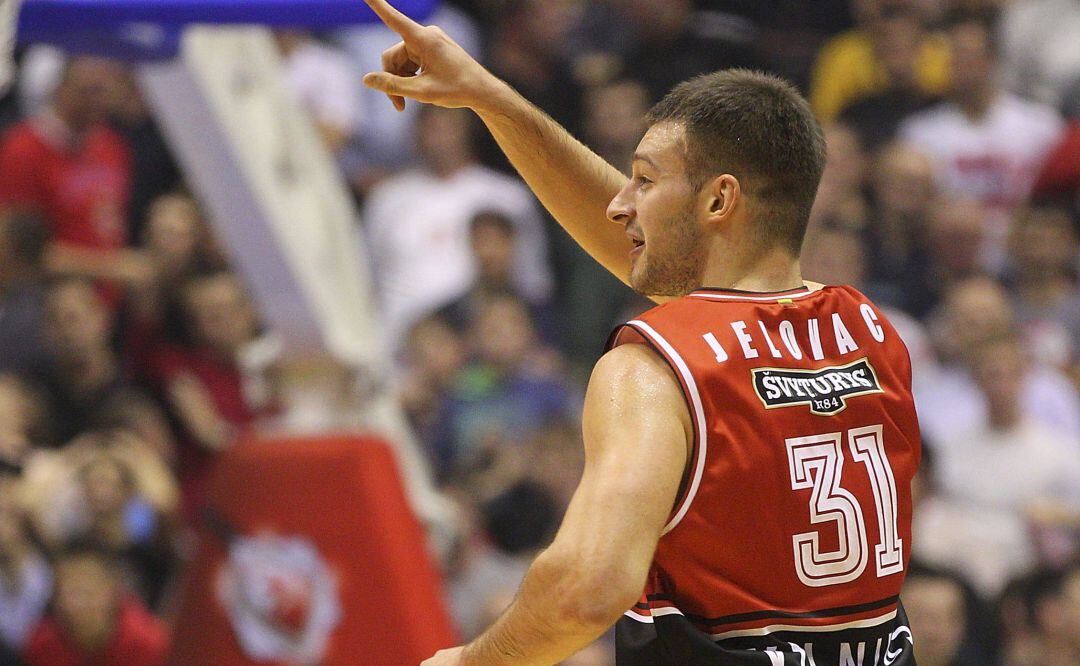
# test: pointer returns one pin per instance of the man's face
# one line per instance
(77, 322)
(938, 618)
(657, 208)
(86, 596)
(222, 316)
(972, 58)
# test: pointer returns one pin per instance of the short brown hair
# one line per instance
(758, 128)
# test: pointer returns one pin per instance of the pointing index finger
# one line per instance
(394, 19)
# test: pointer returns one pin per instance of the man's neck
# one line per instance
(448, 168)
(976, 103)
(773, 269)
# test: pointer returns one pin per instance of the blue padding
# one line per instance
(150, 29)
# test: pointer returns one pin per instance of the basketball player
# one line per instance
(750, 444)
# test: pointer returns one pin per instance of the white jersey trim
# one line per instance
(634, 614)
(699, 416)
(773, 628)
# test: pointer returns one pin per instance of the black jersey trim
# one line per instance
(781, 614)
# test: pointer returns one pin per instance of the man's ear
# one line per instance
(723, 196)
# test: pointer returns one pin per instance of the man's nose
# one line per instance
(619, 210)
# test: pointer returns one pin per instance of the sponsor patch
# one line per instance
(825, 390)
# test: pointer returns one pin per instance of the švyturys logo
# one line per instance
(825, 390)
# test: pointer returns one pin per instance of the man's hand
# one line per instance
(451, 657)
(428, 66)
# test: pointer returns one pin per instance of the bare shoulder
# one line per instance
(630, 364)
(631, 381)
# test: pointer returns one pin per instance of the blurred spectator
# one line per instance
(615, 120)
(840, 197)
(834, 254)
(323, 80)
(386, 142)
(973, 311)
(1040, 52)
(858, 63)
(986, 144)
(898, 229)
(94, 620)
(940, 607)
(512, 387)
(1043, 284)
(154, 171)
(204, 382)
(85, 380)
(493, 241)
(23, 240)
(527, 51)
(116, 508)
(669, 47)
(876, 117)
(957, 234)
(435, 353)
(25, 578)
(590, 297)
(1056, 610)
(418, 226)
(22, 415)
(70, 167)
(1005, 470)
(179, 244)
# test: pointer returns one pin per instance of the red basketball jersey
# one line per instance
(792, 529)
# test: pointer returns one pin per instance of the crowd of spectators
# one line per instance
(951, 197)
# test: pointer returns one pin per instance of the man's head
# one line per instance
(903, 183)
(219, 312)
(88, 588)
(974, 310)
(898, 36)
(974, 60)
(1044, 243)
(999, 368)
(730, 164)
(23, 241)
(493, 237)
(86, 92)
(615, 119)
(937, 605)
(1056, 606)
(78, 325)
(444, 138)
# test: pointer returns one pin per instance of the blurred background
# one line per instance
(143, 341)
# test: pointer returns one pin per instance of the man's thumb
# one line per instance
(389, 83)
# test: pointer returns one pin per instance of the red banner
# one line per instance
(310, 554)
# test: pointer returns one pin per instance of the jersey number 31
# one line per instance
(817, 462)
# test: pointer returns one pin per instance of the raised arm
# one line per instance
(636, 429)
(570, 180)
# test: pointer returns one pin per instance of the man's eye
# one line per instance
(642, 180)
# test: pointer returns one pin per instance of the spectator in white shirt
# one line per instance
(1000, 479)
(323, 80)
(986, 144)
(950, 403)
(386, 135)
(418, 226)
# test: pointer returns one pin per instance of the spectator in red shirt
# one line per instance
(94, 621)
(204, 381)
(66, 164)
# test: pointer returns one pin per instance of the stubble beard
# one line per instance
(676, 269)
